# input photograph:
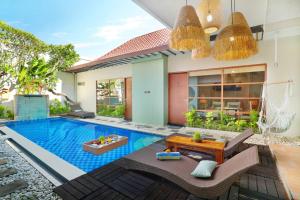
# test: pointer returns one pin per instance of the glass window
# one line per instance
(110, 97)
(240, 106)
(242, 90)
(244, 74)
(205, 104)
(209, 79)
(238, 93)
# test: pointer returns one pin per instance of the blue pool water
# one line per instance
(64, 138)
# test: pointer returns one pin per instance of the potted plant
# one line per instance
(101, 139)
(197, 136)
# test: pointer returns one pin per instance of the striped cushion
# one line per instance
(168, 155)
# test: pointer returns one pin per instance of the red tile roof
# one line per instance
(141, 45)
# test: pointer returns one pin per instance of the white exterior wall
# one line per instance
(66, 85)
(288, 69)
(86, 94)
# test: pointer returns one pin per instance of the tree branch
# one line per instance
(63, 95)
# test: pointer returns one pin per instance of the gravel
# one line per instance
(39, 187)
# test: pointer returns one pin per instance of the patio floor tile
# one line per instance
(288, 162)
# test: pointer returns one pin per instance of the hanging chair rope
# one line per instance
(274, 118)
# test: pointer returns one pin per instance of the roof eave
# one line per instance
(89, 65)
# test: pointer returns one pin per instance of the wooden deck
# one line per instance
(114, 182)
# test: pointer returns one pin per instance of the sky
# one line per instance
(94, 27)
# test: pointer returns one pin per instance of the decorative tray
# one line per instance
(106, 144)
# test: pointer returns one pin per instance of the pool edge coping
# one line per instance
(55, 163)
(122, 126)
(46, 159)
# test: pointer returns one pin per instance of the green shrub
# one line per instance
(6, 113)
(2, 111)
(119, 111)
(192, 119)
(209, 120)
(10, 114)
(240, 124)
(225, 122)
(111, 111)
(56, 107)
(225, 118)
(254, 115)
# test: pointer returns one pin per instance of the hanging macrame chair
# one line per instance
(275, 118)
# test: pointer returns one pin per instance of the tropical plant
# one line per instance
(6, 113)
(240, 124)
(30, 65)
(209, 119)
(56, 107)
(111, 111)
(225, 118)
(192, 119)
(254, 115)
(225, 122)
(119, 111)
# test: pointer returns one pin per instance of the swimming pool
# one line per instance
(64, 138)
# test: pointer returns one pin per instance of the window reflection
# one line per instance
(110, 97)
(235, 91)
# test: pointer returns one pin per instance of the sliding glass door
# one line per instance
(235, 91)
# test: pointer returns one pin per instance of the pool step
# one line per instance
(7, 172)
(3, 161)
(12, 187)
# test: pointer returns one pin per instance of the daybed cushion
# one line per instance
(204, 169)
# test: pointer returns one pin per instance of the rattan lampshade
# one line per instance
(235, 41)
(187, 33)
(203, 51)
(238, 18)
(206, 8)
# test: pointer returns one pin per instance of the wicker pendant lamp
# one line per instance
(187, 33)
(203, 51)
(236, 40)
(209, 12)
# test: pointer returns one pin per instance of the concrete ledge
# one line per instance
(59, 165)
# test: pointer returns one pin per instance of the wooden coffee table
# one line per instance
(183, 142)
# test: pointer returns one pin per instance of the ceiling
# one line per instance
(266, 12)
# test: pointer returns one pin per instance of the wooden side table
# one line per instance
(181, 142)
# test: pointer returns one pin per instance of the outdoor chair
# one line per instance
(233, 145)
(216, 105)
(77, 111)
(179, 171)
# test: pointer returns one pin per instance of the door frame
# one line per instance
(126, 107)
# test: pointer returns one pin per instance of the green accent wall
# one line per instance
(150, 90)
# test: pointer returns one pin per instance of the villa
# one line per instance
(159, 84)
(181, 93)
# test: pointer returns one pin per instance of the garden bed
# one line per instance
(221, 121)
